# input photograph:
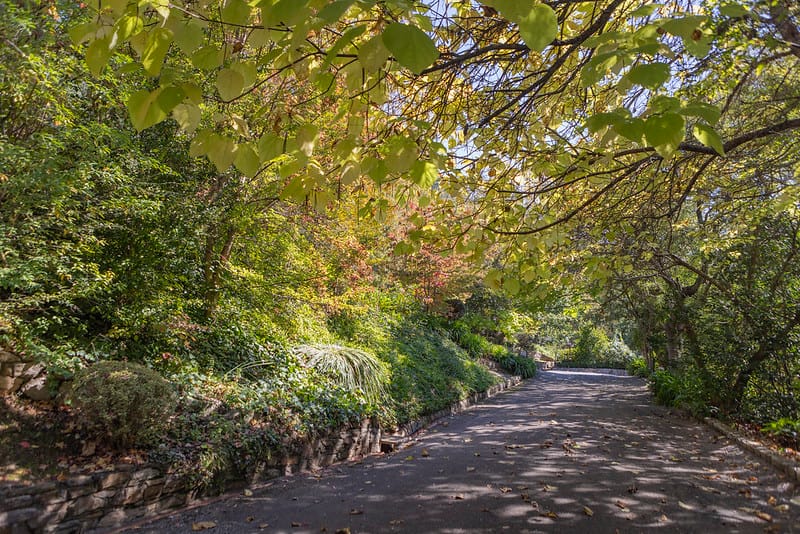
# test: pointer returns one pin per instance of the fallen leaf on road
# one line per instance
(355, 511)
(263, 525)
(89, 448)
(588, 511)
(685, 506)
(795, 500)
(783, 508)
(296, 524)
(663, 518)
(470, 469)
(424, 453)
(525, 497)
(396, 522)
(409, 458)
(250, 519)
(247, 493)
(549, 513)
(548, 487)
(505, 489)
(546, 445)
(459, 497)
(772, 501)
(345, 530)
(764, 516)
(203, 525)
(622, 506)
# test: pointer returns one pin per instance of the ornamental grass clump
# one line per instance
(126, 404)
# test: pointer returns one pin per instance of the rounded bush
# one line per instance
(126, 403)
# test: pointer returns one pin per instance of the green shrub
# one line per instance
(475, 344)
(679, 389)
(785, 430)
(665, 386)
(638, 367)
(617, 354)
(126, 403)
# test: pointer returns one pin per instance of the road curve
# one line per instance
(564, 452)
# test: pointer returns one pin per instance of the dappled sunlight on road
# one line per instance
(567, 452)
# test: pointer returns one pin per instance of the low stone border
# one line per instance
(787, 466)
(108, 499)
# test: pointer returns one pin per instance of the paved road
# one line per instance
(565, 452)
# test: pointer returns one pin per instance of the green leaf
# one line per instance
(537, 22)
(734, 10)
(511, 285)
(97, 55)
(683, 27)
(334, 10)
(187, 116)
(236, 12)
(708, 112)
(208, 58)
(128, 25)
(539, 27)
(270, 146)
(220, 151)
(410, 46)
(247, 69)
(373, 54)
(709, 137)
(306, 138)
(286, 12)
(424, 174)
(598, 121)
(700, 45)
(246, 160)
(664, 132)
(155, 50)
(82, 32)
(645, 10)
(493, 279)
(400, 153)
(663, 104)
(147, 108)
(651, 75)
(197, 147)
(351, 171)
(230, 84)
(188, 36)
(632, 129)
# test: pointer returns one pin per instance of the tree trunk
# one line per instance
(213, 266)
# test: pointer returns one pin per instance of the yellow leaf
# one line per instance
(588, 511)
(203, 525)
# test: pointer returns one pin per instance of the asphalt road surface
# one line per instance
(564, 452)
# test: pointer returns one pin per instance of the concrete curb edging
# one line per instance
(790, 468)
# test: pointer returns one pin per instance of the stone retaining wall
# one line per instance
(20, 375)
(111, 498)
